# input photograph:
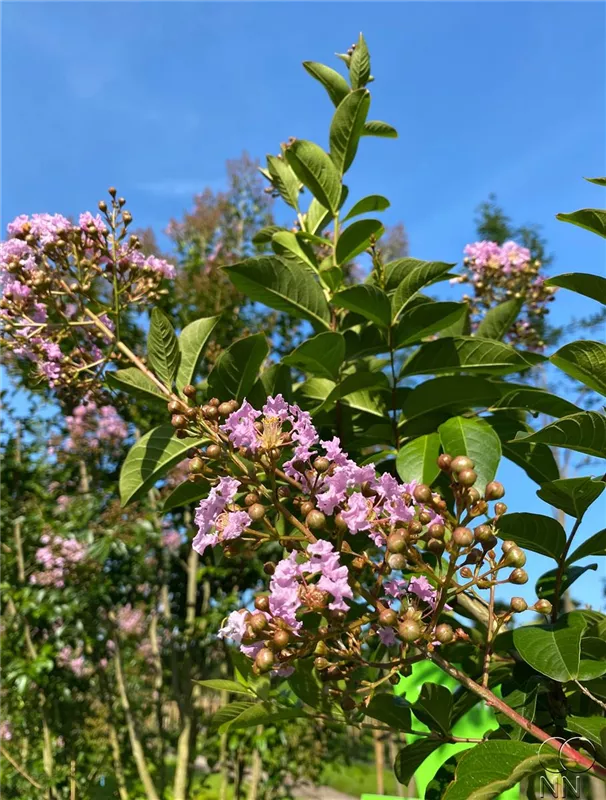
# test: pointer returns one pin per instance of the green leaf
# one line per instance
(223, 685)
(265, 235)
(592, 219)
(282, 286)
(356, 238)
(476, 439)
(276, 379)
(334, 83)
(499, 319)
(434, 707)
(259, 714)
(134, 382)
(163, 347)
(413, 281)
(396, 271)
(321, 355)
(192, 340)
(229, 712)
(416, 461)
(593, 286)
(490, 768)
(305, 684)
(373, 202)
(537, 460)
(453, 393)
(464, 352)
(316, 170)
(437, 786)
(545, 586)
(391, 710)
(572, 495)
(150, 458)
(346, 128)
(597, 181)
(288, 243)
(594, 546)
(317, 217)
(422, 320)
(359, 64)
(375, 127)
(186, 493)
(284, 180)
(534, 532)
(584, 361)
(591, 728)
(367, 300)
(584, 432)
(237, 368)
(531, 399)
(410, 758)
(553, 650)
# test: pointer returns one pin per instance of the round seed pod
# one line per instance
(251, 498)
(436, 530)
(461, 463)
(256, 511)
(494, 491)
(518, 604)
(519, 577)
(444, 633)
(445, 462)
(543, 607)
(396, 542)
(462, 537)
(409, 630)
(265, 660)
(422, 493)
(262, 602)
(315, 520)
(396, 561)
(258, 622)
(388, 617)
(467, 477)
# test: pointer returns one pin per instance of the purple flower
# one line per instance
(422, 589)
(357, 515)
(240, 427)
(209, 510)
(394, 587)
(234, 627)
(387, 636)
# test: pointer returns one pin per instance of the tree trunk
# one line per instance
(393, 752)
(379, 761)
(255, 773)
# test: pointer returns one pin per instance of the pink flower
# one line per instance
(131, 621)
(234, 628)
(208, 513)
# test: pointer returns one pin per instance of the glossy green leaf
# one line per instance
(367, 300)
(545, 586)
(499, 319)
(321, 355)
(223, 685)
(360, 392)
(464, 353)
(396, 271)
(289, 244)
(373, 202)
(592, 219)
(591, 728)
(584, 361)
(346, 128)
(186, 493)
(356, 238)
(192, 340)
(163, 348)
(305, 684)
(150, 458)
(259, 714)
(537, 460)
(317, 217)
(594, 546)
(276, 379)
(531, 399)
(553, 650)
(285, 287)
(237, 368)
(534, 532)
(417, 460)
(284, 180)
(422, 320)
(434, 707)
(454, 393)
(572, 495)
(391, 710)
(359, 64)
(334, 83)
(265, 235)
(375, 127)
(315, 169)
(476, 439)
(584, 432)
(490, 768)
(585, 283)
(597, 181)
(410, 758)
(413, 281)
(134, 382)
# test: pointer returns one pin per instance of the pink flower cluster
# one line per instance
(91, 426)
(130, 621)
(6, 731)
(57, 557)
(214, 523)
(508, 257)
(171, 539)
(73, 660)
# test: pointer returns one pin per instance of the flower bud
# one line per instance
(265, 660)
(396, 561)
(465, 572)
(515, 557)
(348, 703)
(315, 520)
(494, 491)
(283, 492)
(321, 464)
(340, 524)
(519, 577)
(445, 462)
(269, 568)
(518, 604)
(409, 630)
(436, 546)
(473, 495)
(224, 409)
(321, 663)
(425, 517)
(507, 545)
(196, 465)
(422, 493)
(467, 477)
(396, 542)
(256, 512)
(262, 602)
(500, 509)
(213, 451)
(281, 639)
(178, 421)
(462, 537)
(444, 634)
(415, 527)
(461, 463)
(543, 607)
(388, 617)
(258, 622)
(251, 498)
(394, 679)
(306, 507)
(175, 407)
(189, 391)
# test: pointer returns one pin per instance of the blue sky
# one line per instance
(154, 97)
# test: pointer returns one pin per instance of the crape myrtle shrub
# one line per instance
(358, 471)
